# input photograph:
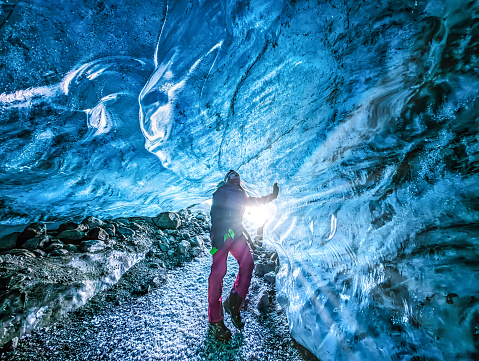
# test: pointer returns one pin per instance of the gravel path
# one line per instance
(169, 323)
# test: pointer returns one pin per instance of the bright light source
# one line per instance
(256, 217)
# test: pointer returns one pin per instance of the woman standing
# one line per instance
(229, 203)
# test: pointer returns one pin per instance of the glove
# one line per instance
(275, 191)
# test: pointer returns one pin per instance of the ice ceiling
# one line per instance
(365, 113)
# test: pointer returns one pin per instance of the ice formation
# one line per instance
(365, 113)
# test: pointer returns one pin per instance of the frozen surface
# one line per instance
(365, 113)
(170, 323)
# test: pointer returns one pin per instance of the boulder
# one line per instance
(201, 216)
(110, 229)
(270, 277)
(196, 242)
(261, 269)
(164, 247)
(59, 252)
(127, 232)
(263, 300)
(33, 243)
(32, 230)
(167, 220)
(135, 226)
(71, 236)
(53, 247)
(9, 241)
(92, 246)
(71, 248)
(183, 235)
(93, 222)
(98, 233)
(39, 253)
(67, 226)
(184, 247)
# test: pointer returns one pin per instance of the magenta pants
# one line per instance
(240, 250)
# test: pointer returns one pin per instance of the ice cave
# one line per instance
(364, 112)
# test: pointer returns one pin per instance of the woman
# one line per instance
(229, 203)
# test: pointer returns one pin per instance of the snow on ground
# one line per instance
(169, 323)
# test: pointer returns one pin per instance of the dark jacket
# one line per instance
(227, 210)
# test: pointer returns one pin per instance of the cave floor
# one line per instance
(168, 323)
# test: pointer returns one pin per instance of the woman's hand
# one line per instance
(275, 191)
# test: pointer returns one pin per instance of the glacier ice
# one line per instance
(365, 114)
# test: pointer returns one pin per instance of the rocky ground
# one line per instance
(44, 274)
(130, 289)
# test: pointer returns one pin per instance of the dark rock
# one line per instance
(93, 222)
(1, 260)
(261, 269)
(67, 226)
(150, 254)
(201, 216)
(110, 229)
(141, 290)
(71, 236)
(183, 235)
(4, 282)
(127, 232)
(39, 253)
(32, 230)
(92, 246)
(164, 247)
(59, 252)
(33, 243)
(270, 277)
(20, 252)
(98, 233)
(195, 225)
(54, 246)
(9, 241)
(71, 248)
(184, 247)
(166, 239)
(196, 241)
(135, 226)
(263, 300)
(167, 220)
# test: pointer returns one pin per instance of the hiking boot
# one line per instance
(232, 305)
(220, 331)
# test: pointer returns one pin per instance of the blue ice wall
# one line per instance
(365, 113)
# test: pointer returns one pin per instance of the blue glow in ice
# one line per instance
(364, 113)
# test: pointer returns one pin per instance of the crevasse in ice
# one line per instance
(364, 113)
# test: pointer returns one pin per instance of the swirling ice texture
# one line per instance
(365, 114)
(70, 142)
